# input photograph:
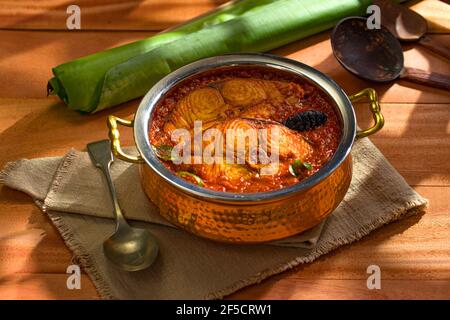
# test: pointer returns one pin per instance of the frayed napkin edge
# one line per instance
(82, 257)
(7, 169)
(80, 253)
(412, 208)
(66, 162)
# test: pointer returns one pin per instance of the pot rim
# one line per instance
(325, 83)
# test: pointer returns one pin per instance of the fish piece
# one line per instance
(252, 98)
(258, 98)
(242, 92)
(247, 134)
(204, 104)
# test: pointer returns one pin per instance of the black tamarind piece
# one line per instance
(306, 120)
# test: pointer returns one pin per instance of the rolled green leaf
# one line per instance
(115, 76)
(79, 83)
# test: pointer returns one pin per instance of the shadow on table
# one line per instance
(311, 274)
(342, 77)
(72, 124)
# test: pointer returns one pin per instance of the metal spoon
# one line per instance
(376, 55)
(132, 249)
(407, 25)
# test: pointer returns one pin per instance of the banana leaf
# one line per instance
(114, 76)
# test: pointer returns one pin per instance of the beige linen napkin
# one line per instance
(74, 195)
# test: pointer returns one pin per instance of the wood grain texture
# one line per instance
(413, 249)
(147, 15)
(320, 289)
(101, 15)
(27, 79)
(45, 286)
(415, 137)
(414, 254)
(437, 14)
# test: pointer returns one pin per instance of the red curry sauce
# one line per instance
(323, 140)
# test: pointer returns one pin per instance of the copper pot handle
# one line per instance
(114, 136)
(370, 94)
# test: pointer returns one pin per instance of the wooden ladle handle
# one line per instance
(431, 79)
(435, 46)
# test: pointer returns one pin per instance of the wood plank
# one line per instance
(437, 14)
(415, 139)
(147, 14)
(409, 248)
(29, 242)
(319, 289)
(415, 250)
(51, 129)
(44, 286)
(413, 253)
(101, 15)
(52, 286)
(26, 65)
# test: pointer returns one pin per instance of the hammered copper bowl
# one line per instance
(246, 217)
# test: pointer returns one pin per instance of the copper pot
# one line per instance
(246, 217)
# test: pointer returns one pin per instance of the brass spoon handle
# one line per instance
(435, 46)
(131, 249)
(431, 79)
(120, 219)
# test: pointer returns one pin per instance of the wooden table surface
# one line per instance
(413, 254)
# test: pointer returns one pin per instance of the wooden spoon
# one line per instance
(376, 55)
(407, 25)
